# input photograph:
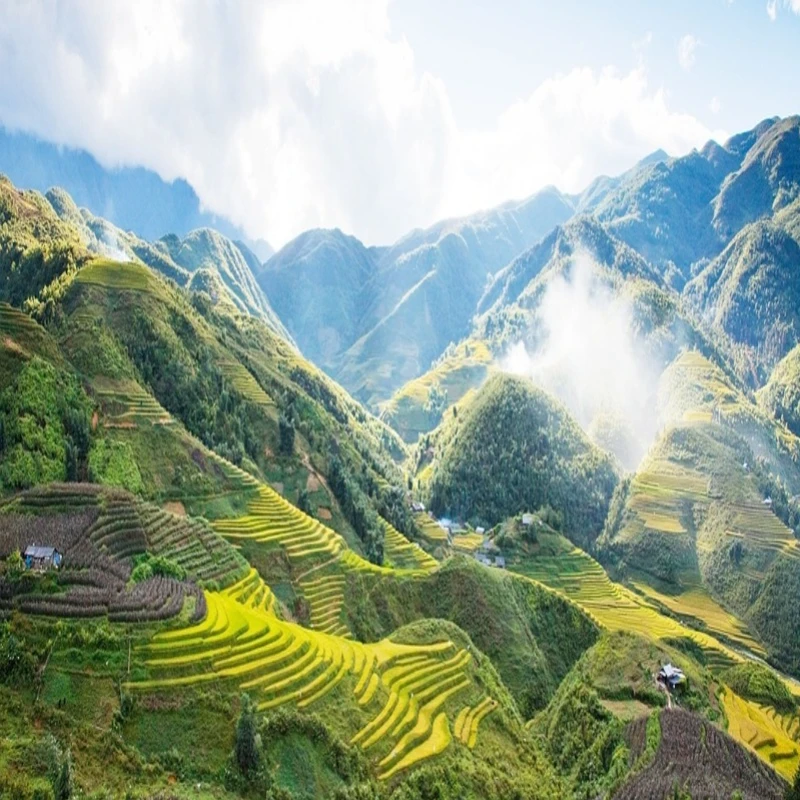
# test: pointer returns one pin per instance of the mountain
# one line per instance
(679, 212)
(512, 448)
(750, 292)
(251, 600)
(204, 260)
(388, 312)
(132, 198)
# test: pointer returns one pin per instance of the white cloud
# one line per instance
(687, 51)
(773, 5)
(715, 105)
(286, 115)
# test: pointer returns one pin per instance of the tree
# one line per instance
(304, 501)
(63, 780)
(247, 748)
(286, 435)
(15, 567)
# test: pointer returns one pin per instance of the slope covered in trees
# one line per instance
(513, 448)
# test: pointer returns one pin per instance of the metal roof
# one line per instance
(35, 551)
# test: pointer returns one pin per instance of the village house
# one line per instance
(527, 519)
(670, 676)
(417, 508)
(41, 558)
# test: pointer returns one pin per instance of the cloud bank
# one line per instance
(591, 359)
(286, 115)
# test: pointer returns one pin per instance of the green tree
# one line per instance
(286, 435)
(247, 747)
(63, 781)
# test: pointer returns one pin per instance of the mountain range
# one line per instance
(508, 508)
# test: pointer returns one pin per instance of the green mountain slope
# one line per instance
(513, 448)
(386, 313)
(750, 292)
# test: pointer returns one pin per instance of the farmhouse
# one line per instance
(767, 501)
(480, 530)
(500, 561)
(41, 558)
(670, 676)
(417, 508)
(527, 519)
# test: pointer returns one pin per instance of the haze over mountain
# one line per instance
(242, 538)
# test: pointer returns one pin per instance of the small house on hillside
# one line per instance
(41, 558)
(500, 562)
(480, 530)
(670, 676)
(417, 508)
(527, 519)
(767, 501)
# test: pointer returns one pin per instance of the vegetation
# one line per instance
(514, 448)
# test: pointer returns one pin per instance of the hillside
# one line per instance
(511, 448)
(149, 355)
(750, 293)
(694, 529)
(204, 261)
(698, 758)
(400, 306)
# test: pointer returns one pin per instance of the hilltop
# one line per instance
(510, 448)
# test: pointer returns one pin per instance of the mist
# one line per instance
(588, 355)
(109, 245)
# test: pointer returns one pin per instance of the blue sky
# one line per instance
(377, 116)
(490, 54)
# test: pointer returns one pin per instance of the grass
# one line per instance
(118, 275)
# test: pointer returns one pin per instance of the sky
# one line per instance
(378, 116)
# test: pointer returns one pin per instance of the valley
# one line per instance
(368, 523)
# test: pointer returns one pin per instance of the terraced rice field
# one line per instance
(325, 595)
(20, 335)
(245, 383)
(468, 720)
(697, 604)
(127, 404)
(118, 275)
(613, 606)
(764, 731)
(404, 689)
(757, 524)
(467, 542)
(192, 544)
(659, 496)
(404, 554)
(433, 533)
(271, 519)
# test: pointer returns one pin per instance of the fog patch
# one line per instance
(588, 355)
(110, 247)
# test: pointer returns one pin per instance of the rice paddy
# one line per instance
(403, 689)
(468, 720)
(432, 532)
(127, 404)
(659, 497)
(763, 730)
(401, 553)
(467, 542)
(696, 604)
(273, 520)
(756, 523)
(245, 383)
